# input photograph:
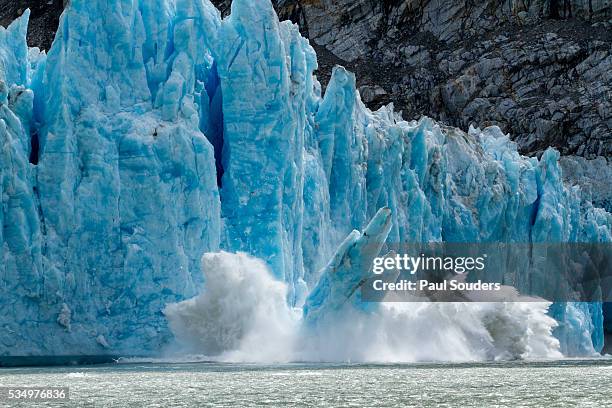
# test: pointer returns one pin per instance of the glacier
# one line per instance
(161, 132)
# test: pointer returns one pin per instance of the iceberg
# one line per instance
(162, 132)
(341, 279)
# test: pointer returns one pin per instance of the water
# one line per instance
(516, 384)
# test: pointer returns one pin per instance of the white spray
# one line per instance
(242, 316)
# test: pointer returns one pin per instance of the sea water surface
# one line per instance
(568, 383)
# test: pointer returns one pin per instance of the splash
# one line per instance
(449, 332)
(242, 316)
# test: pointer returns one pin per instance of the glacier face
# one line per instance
(121, 189)
(162, 132)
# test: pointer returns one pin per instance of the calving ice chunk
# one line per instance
(163, 132)
(242, 315)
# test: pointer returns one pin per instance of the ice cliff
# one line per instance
(155, 131)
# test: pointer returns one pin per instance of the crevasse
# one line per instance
(163, 132)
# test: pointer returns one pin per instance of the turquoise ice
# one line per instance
(161, 131)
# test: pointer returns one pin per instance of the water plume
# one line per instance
(242, 316)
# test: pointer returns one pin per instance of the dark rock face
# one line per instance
(539, 69)
(43, 20)
(352, 28)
